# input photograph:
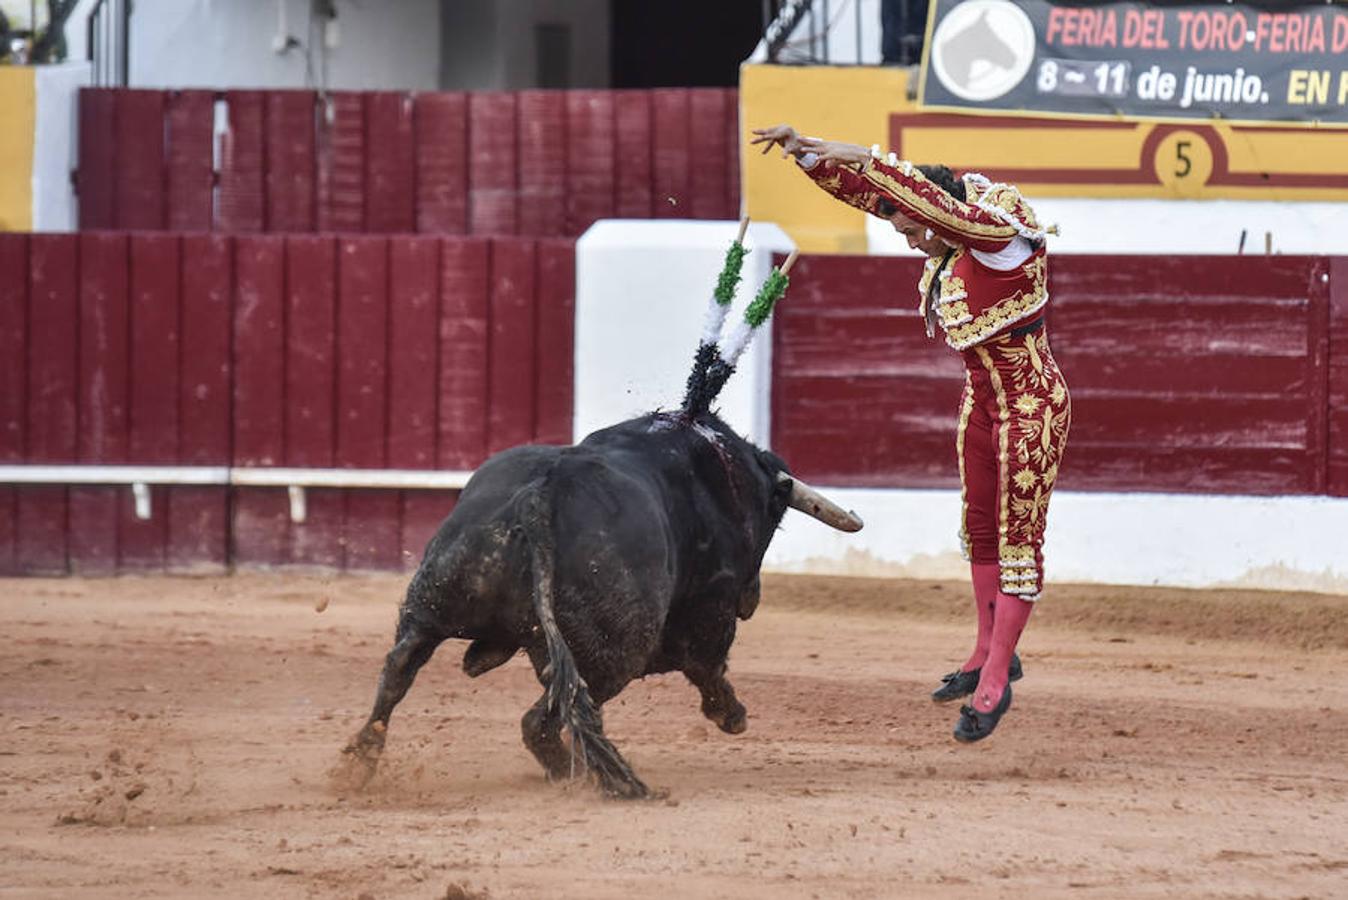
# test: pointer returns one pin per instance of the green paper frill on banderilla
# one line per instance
(716, 359)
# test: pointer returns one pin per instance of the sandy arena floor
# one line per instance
(171, 737)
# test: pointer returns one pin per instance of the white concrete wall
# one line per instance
(1171, 226)
(56, 145)
(642, 290)
(381, 44)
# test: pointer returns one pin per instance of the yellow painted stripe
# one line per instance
(18, 103)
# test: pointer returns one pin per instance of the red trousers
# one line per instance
(1013, 426)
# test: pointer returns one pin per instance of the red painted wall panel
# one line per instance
(291, 166)
(556, 292)
(442, 162)
(371, 533)
(261, 516)
(512, 365)
(140, 173)
(105, 369)
(311, 392)
(1240, 414)
(53, 388)
(341, 163)
(1336, 383)
(98, 158)
(190, 171)
(198, 526)
(464, 324)
(422, 513)
(736, 142)
(709, 195)
(241, 202)
(590, 163)
(414, 314)
(153, 392)
(493, 163)
(391, 175)
(634, 162)
(13, 379)
(543, 164)
(672, 149)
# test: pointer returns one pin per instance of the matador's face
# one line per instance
(919, 236)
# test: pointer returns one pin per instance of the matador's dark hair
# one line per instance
(941, 176)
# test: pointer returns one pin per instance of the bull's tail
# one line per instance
(568, 698)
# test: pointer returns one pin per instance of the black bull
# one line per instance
(629, 554)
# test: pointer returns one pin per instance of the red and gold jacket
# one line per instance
(974, 301)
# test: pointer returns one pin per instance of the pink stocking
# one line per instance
(1011, 614)
(985, 578)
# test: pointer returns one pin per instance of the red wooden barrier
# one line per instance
(13, 381)
(198, 527)
(442, 162)
(104, 399)
(390, 175)
(1337, 382)
(190, 124)
(464, 310)
(534, 163)
(1187, 374)
(290, 161)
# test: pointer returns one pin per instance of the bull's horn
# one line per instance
(816, 505)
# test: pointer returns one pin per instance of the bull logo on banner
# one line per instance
(982, 49)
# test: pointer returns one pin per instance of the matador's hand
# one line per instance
(784, 135)
(836, 151)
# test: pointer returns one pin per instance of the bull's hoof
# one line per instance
(625, 789)
(731, 720)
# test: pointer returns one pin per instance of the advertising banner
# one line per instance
(1241, 62)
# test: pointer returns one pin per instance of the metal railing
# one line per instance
(108, 35)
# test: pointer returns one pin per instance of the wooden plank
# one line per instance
(206, 376)
(493, 164)
(464, 322)
(140, 173)
(95, 180)
(154, 393)
(414, 313)
(291, 166)
(13, 380)
(198, 517)
(311, 391)
(190, 118)
(634, 155)
(53, 348)
(709, 195)
(512, 366)
(391, 174)
(41, 546)
(671, 154)
(542, 142)
(371, 534)
(556, 305)
(362, 352)
(1336, 380)
(260, 516)
(341, 163)
(105, 368)
(442, 162)
(241, 203)
(591, 167)
(14, 273)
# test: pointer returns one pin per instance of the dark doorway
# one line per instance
(684, 43)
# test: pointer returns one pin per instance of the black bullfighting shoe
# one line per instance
(974, 725)
(961, 684)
